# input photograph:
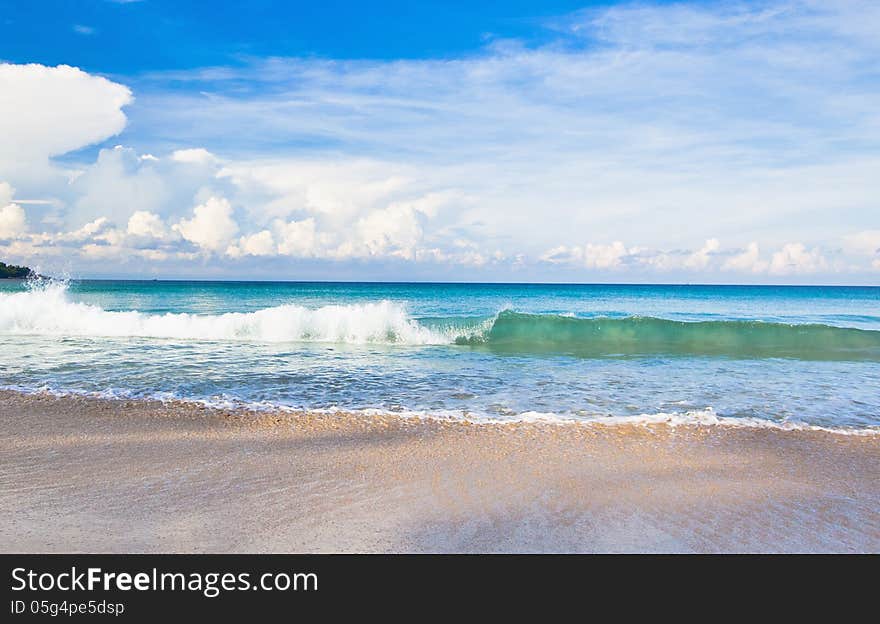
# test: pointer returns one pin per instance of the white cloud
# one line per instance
(12, 221)
(47, 111)
(616, 255)
(747, 261)
(259, 244)
(146, 224)
(86, 232)
(561, 255)
(604, 256)
(118, 184)
(394, 231)
(297, 238)
(335, 189)
(659, 125)
(6, 193)
(792, 258)
(121, 182)
(212, 225)
(591, 256)
(797, 258)
(94, 251)
(153, 255)
(670, 124)
(198, 155)
(865, 243)
(701, 258)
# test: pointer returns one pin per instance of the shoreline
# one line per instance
(699, 418)
(112, 475)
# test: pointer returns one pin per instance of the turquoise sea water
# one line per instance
(738, 354)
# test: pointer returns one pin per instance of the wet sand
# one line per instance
(95, 475)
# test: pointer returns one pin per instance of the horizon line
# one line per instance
(449, 283)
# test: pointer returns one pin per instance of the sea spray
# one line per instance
(47, 310)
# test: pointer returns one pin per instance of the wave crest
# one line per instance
(46, 309)
(636, 335)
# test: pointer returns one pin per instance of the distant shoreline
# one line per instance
(11, 271)
(200, 280)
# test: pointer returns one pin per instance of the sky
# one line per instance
(710, 142)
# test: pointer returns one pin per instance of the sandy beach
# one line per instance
(83, 474)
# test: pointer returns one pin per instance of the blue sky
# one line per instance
(167, 34)
(513, 141)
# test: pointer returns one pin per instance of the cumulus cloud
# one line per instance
(701, 258)
(13, 221)
(89, 230)
(591, 256)
(604, 256)
(746, 261)
(118, 184)
(296, 238)
(790, 259)
(616, 255)
(665, 127)
(6, 193)
(394, 230)
(797, 258)
(196, 155)
(624, 124)
(47, 111)
(865, 243)
(259, 244)
(211, 227)
(146, 224)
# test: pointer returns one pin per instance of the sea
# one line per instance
(754, 356)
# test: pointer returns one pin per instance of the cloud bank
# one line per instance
(712, 142)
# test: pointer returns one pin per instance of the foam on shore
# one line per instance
(689, 418)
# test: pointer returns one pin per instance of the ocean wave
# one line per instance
(46, 309)
(636, 335)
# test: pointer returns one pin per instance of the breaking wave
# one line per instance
(646, 335)
(48, 310)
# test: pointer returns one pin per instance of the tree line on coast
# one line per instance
(11, 271)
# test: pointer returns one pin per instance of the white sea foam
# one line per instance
(703, 418)
(48, 310)
(700, 418)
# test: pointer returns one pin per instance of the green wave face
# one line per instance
(597, 337)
